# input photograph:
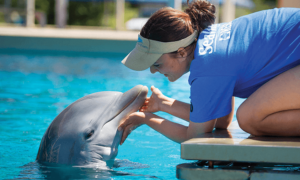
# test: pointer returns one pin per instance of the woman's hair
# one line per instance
(168, 24)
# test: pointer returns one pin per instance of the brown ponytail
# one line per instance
(201, 14)
(168, 24)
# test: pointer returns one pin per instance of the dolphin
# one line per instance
(86, 132)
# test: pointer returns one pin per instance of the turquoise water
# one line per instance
(34, 89)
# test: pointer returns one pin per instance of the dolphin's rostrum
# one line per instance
(86, 132)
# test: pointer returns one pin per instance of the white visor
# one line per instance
(147, 51)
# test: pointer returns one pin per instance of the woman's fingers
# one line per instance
(125, 127)
(122, 126)
(143, 108)
(129, 124)
(152, 88)
(146, 102)
(126, 132)
(155, 91)
(145, 105)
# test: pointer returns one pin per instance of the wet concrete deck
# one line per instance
(235, 154)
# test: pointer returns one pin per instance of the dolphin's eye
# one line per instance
(89, 134)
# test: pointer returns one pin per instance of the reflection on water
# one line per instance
(35, 170)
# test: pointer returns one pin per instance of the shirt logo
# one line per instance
(210, 35)
(225, 32)
(209, 38)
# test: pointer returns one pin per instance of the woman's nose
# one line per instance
(153, 69)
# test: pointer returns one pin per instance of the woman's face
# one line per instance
(171, 67)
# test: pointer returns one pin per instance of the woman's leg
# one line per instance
(274, 109)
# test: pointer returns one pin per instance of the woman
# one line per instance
(255, 57)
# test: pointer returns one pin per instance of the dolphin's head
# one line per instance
(86, 132)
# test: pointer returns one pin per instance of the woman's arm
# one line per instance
(171, 130)
(176, 108)
(159, 102)
(224, 122)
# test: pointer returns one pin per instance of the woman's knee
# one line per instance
(242, 118)
(247, 121)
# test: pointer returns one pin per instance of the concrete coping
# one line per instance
(69, 33)
(66, 41)
(236, 145)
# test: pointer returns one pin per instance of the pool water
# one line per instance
(34, 89)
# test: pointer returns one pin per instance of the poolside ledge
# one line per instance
(19, 39)
(234, 154)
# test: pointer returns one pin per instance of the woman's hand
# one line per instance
(154, 103)
(133, 121)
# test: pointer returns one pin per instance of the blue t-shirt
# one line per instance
(236, 58)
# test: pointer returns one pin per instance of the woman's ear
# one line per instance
(182, 52)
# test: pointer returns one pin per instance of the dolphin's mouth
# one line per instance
(133, 99)
(126, 104)
(138, 93)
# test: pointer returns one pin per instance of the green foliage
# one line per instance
(239, 11)
(18, 5)
(109, 14)
(15, 3)
(85, 13)
(48, 7)
(80, 13)
(97, 13)
(259, 6)
(103, 13)
(131, 11)
(263, 4)
(2, 17)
